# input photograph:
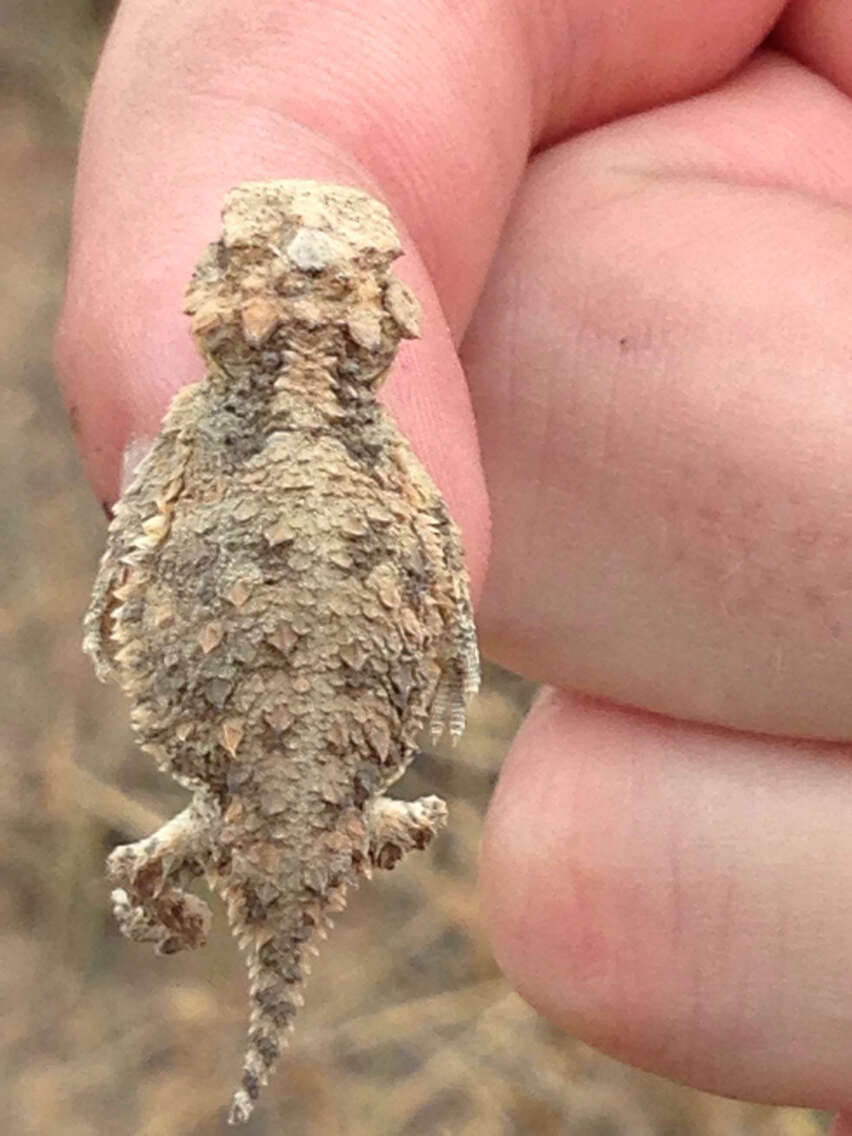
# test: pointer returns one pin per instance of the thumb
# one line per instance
(182, 109)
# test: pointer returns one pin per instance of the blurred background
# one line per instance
(409, 1028)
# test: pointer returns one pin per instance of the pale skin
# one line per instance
(651, 394)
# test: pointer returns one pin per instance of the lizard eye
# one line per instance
(221, 255)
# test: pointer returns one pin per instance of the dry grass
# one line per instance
(409, 1027)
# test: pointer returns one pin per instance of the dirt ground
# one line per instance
(409, 1028)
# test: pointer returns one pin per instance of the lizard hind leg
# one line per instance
(150, 899)
(396, 827)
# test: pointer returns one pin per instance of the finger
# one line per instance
(193, 98)
(660, 371)
(434, 113)
(678, 897)
(816, 32)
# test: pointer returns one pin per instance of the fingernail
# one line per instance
(136, 451)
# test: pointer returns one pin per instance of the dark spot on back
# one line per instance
(251, 1084)
(222, 254)
(255, 909)
(266, 1046)
(276, 1006)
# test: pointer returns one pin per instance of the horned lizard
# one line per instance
(283, 598)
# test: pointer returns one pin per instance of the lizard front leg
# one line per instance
(395, 827)
(151, 903)
(456, 652)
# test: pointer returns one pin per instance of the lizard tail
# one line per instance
(278, 963)
(275, 927)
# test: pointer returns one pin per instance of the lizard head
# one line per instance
(303, 268)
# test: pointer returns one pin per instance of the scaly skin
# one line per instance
(283, 598)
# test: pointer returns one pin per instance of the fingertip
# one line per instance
(123, 349)
(512, 847)
(672, 895)
(169, 132)
(556, 911)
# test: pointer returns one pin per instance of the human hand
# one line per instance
(659, 370)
